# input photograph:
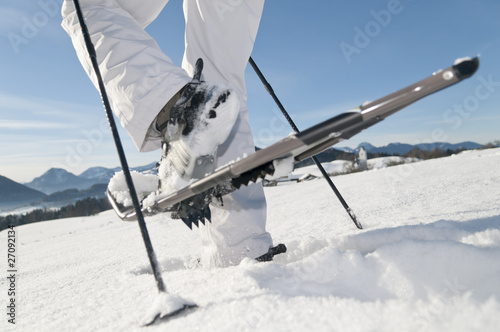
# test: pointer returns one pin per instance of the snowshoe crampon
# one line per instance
(192, 210)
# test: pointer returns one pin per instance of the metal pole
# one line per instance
(294, 127)
(121, 154)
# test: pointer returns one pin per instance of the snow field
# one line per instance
(428, 259)
(344, 166)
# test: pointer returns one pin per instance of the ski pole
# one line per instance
(121, 154)
(294, 127)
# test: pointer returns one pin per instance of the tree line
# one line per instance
(85, 207)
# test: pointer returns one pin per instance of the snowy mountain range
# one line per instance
(13, 193)
(58, 186)
(402, 148)
(99, 173)
(57, 179)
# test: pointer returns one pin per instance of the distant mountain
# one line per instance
(149, 168)
(71, 195)
(448, 146)
(346, 153)
(105, 174)
(402, 148)
(58, 187)
(57, 179)
(16, 194)
(99, 173)
(392, 149)
(366, 145)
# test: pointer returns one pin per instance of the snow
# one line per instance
(164, 305)
(282, 168)
(427, 260)
(382, 162)
(344, 166)
(332, 167)
(144, 184)
(210, 131)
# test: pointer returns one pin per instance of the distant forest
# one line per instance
(85, 207)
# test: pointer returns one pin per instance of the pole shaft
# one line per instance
(294, 127)
(119, 148)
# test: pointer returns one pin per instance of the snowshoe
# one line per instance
(310, 142)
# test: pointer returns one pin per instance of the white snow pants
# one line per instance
(140, 79)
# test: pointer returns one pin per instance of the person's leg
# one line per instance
(139, 78)
(223, 34)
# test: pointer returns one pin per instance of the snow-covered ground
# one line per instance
(427, 260)
(344, 166)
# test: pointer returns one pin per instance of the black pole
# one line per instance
(121, 154)
(294, 127)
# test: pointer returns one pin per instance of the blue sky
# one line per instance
(322, 57)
